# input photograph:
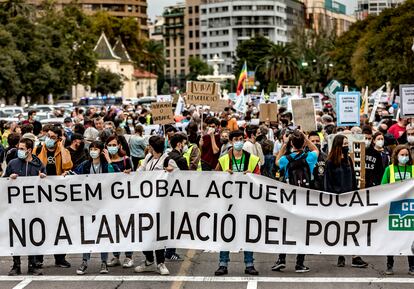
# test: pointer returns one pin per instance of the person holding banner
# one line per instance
(156, 160)
(25, 165)
(99, 162)
(236, 161)
(401, 168)
(340, 178)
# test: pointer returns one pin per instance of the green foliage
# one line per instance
(198, 67)
(165, 88)
(107, 82)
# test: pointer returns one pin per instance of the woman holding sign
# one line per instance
(401, 169)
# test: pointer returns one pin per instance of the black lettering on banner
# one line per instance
(93, 194)
(82, 229)
(108, 235)
(308, 202)
(10, 195)
(260, 192)
(351, 233)
(177, 189)
(240, 183)
(337, 233)
(323, 196)
(356, 199)
(172, 226)
(369, 204)
(20, 235)
(338, 197)
(310, 233)
(259, 228)
(270, 193)
(269, 229)
(42, 230)
(47, 195)
(161, 185)
(113, 192)
(143, 191)
(73, 192)
(27, 195)
(224, 191)
(369, 229)
(223, 228)
(59, 192)
(284, 234)
(189, 195)
(215, 223)
(142, 227)
(212, 189)
(198, 226)
(65, 235)
(129, 230)
(284, 196)
(158, 221)
(185, 222)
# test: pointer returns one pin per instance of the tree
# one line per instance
(107, 82)
(166, 89)
(198, 67)
(154, 56)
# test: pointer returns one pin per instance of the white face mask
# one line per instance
(410, 139)
(367, 143)
(379, 143)
(185, 149)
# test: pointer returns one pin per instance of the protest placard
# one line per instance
(304, 113)
(202, 93)
(348, 108)
(162, 113)
(219, 105)
(358, 159)
(164, 98)
(268, 112)
(407, 100)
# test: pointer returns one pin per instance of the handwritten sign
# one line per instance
(202, 93)
(304, 113)
(162, 113)
(268, 112)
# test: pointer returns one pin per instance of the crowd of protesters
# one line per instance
(98, 140)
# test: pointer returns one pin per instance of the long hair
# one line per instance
(335, 155)
(397, 150)
(99, 145)
(121, 152)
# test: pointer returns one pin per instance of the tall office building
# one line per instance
(119, 8)
(224, 24)
(374, 7)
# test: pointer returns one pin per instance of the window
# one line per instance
(182, 41)
(190, 34)
(182, 52)
(203, 11)
(197, 22)
(197, 33)
(191, 46)
(190, 10)
(182, 62)
(197, 45)
(167, 53)
(196, 8)
(190, 22)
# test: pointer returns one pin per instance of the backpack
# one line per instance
(298, 170)
(166, 160)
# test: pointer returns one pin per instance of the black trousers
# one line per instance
(300, 258)
(159, 255)
(390, 261)
(31, 260)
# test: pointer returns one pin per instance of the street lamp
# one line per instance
(412, 47)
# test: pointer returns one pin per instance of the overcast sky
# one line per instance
(155, 7)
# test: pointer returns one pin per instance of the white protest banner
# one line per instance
(407, 100)
(162, 113)
(164, 98)
(377, 97)
(202, 93)
(303, 111)
(348, 108)
(240, 104)
(200, 210)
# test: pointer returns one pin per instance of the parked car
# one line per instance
(9, 111)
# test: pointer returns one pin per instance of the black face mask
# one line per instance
(284, 121)
(224, 140)
(345, 151)
(318, 146)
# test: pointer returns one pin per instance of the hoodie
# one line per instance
(23, 168)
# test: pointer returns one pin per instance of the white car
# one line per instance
(9, 111)
(43, 108)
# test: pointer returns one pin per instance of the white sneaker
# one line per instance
(114, 262)
(128, 263)
(162, 269)
(146, 267)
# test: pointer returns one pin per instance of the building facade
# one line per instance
(374, 7)
(327, 15)
(119, 8)
(224, 24)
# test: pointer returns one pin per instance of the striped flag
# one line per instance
(241, 84)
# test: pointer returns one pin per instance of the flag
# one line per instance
(240, 104)
(242, 80)
(262, 97)
(377, 97)
(364, 105)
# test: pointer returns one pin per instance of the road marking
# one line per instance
(183, 269)
(148, 278)
(23, 284)
(252, 285)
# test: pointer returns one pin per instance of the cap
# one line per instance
(67, 119)
(29, 136)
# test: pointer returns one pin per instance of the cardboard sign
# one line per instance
(219, 105)
(348, 108)
(162, 113)
(358, 158)
(202, 93)
(407, 100)
(268, 112)
(304, 113)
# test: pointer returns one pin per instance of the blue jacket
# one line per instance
(85, 168)
(24, 169)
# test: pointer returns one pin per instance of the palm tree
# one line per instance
(154, 55)
(282, 66)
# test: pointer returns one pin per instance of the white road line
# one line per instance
(23, 284)
(147, 278)
(252, 285)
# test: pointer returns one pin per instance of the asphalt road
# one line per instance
(197, 272)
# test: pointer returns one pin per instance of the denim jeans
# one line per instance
(87, 256)
(225, 258)
(127, 254)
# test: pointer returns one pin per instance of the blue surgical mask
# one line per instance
(94, 154)
(238, 145)
(22, 154)
(50, 143)
(113, 150)
(403, 159)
